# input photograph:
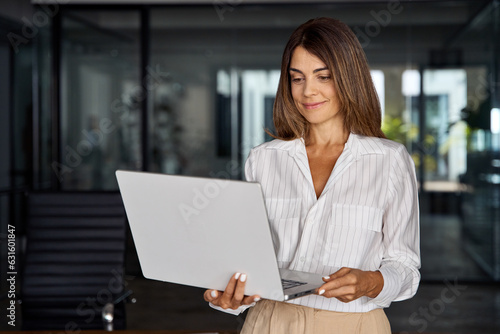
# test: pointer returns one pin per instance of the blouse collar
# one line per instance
(358, 145)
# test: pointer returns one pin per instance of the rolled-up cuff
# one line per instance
(238, 311)
(391, 289)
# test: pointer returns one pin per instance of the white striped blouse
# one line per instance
(367, 216)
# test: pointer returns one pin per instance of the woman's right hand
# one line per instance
(234, 295)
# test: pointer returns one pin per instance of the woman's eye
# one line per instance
(296, 80)
(324, 78)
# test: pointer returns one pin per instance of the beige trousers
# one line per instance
(271, 317)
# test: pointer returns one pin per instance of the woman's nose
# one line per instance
(310, 88)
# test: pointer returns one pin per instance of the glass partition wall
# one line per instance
(479, 130)
(100, 98)
(210, 80)
(222, 78)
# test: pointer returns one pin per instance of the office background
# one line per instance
(187, 87)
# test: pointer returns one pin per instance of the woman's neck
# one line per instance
(324, 136)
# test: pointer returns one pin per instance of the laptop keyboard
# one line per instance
(288, 284)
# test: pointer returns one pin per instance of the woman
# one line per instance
(342, 199)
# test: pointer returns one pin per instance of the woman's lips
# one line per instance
(313, 105)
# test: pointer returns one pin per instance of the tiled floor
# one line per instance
(443, 253)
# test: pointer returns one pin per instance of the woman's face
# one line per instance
(312, 88)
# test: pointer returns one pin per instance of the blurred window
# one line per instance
(101, 95)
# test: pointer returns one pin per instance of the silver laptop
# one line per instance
(200, 231)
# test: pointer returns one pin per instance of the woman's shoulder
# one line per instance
(276, 144)
(269, 151)
(395, 153)
(382, 145)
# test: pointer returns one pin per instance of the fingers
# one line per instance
(339, 273)
(231, 286)
(342, 285)
(239, 291)
(346, 291)
(349, 284)
(211, 295)
(250, 299)
(234, 294)
(239, 297)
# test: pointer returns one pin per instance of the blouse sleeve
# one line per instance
(249, 167)
(401, 240)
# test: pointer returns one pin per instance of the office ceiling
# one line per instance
(405, 33)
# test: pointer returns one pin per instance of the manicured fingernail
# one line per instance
(321, 292)
(256, 299)
(237, 276)
(213, 294)
(243, 278)
(326, 277)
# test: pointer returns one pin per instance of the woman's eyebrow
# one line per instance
(316, 70)
(295, 70)
(320, 69)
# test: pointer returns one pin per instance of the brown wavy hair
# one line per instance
(336, 45)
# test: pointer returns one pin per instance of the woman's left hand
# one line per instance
(349, 284)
